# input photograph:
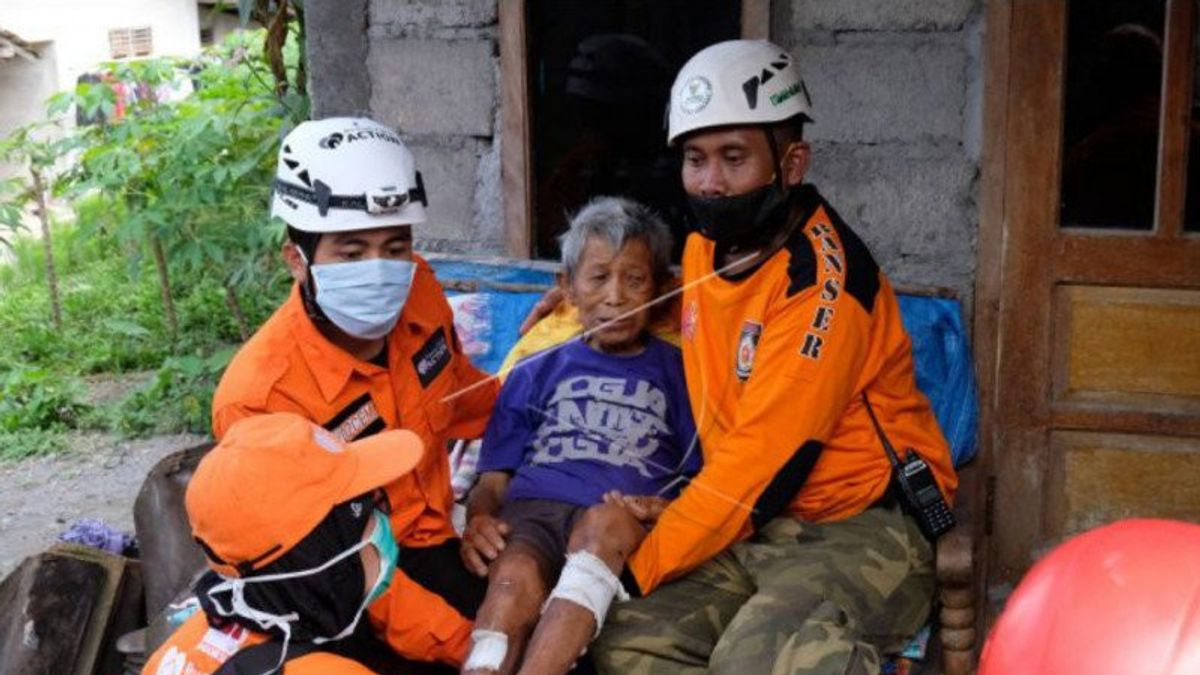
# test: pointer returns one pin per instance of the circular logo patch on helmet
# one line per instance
(696, 94)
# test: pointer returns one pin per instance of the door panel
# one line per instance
(1129, 347)
(1096, 403)
(1104, 477)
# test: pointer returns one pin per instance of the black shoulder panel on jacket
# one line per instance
(802, 262)
(862, 272)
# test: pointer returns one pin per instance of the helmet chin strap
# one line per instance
(308, 293)
(776, 163)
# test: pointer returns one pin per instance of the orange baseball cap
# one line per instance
(274, 478)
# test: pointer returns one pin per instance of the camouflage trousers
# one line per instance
(795, 598)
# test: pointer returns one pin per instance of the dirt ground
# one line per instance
(98, 478)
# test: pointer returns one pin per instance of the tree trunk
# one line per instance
(39, 189)
(273, 47)
(302, 64)
(164, 284)
(235, 307)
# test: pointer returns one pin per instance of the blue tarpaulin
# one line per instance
(942, 357)
(487, 319)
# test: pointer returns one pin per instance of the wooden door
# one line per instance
(1092, 382)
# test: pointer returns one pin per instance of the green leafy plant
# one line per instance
(190, 180)
(36, 148)
(36, 407)
(170, 257)
(29, 443)
(12, 216)
(178, 399)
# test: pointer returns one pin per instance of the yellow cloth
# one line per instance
(561, 325)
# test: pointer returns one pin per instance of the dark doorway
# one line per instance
(600, 73)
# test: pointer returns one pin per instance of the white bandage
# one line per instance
(587, 582)
(488, 649)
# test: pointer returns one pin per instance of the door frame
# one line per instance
(980, 490)
(1022, 253)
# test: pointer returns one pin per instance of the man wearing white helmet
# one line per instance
(366, 343)
(789, 552)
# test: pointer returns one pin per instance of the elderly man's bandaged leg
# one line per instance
(587, 582)
(488, 649)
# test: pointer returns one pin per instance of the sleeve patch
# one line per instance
(746, 349)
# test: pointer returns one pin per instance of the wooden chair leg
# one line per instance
(955, 570)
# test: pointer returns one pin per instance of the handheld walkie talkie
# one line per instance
(919, 493)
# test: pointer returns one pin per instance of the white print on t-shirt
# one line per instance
(608, 419)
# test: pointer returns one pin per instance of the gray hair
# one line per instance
(618, 220)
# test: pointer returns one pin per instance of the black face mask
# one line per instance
(742, 220)
(325, 603)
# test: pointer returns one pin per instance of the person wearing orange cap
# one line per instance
(294, 526)
(366, 341)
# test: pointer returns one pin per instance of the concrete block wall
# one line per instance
(895, 85)
(897, 103)
(430, 68)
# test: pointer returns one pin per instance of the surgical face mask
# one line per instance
(741, 220)
(381, 539)
(385, 544)
(364, 297)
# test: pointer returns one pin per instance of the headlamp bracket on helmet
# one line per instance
(386, 199)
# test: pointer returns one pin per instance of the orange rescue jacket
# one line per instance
(429, 386)
(776, 360)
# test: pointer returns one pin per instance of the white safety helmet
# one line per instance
(736, 82)
(346, 173)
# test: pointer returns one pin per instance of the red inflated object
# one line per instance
(1121, 599)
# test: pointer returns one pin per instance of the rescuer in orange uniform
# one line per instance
(366, 343)
(297, 539)
(788, 552)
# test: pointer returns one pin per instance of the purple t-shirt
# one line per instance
(572, 423)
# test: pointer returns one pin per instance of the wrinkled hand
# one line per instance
(646, 508)
(544, 307)
(482, 542)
